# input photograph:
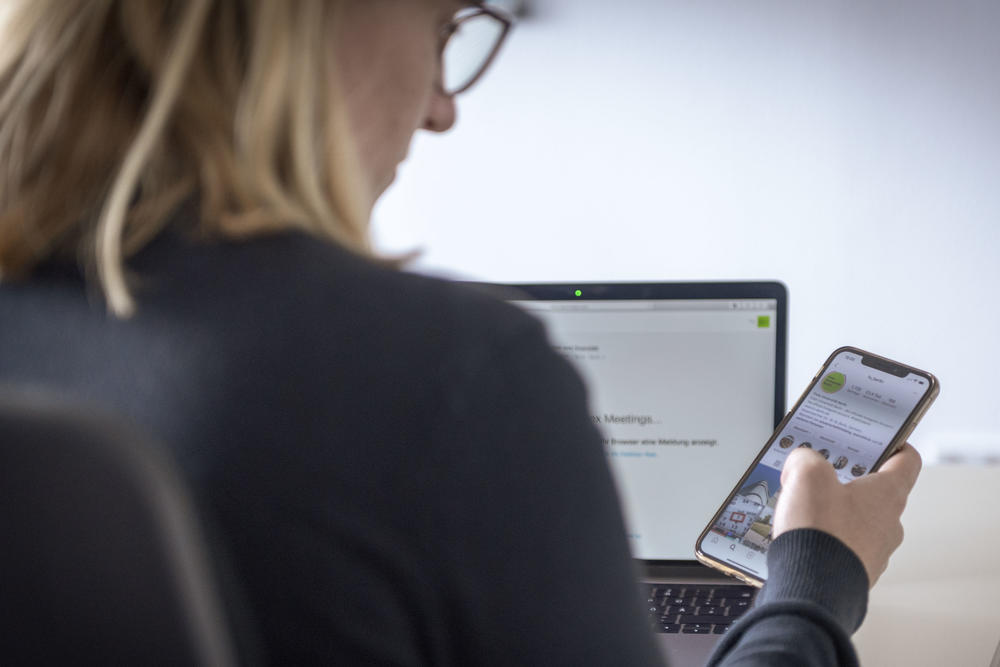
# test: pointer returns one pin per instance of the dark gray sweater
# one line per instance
(402, 470)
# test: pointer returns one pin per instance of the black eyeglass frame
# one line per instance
(453, 26)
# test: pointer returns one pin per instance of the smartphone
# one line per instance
(856, 413)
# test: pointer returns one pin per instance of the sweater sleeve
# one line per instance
(815, 598)
(535, 565)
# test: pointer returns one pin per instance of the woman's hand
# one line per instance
(863, 514)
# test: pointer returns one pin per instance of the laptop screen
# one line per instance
(684, 392)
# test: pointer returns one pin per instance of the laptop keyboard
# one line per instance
(697, 610)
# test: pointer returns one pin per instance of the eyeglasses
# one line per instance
(470, 42)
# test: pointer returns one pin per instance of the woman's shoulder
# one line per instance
(294, 285)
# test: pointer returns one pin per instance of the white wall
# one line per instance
(849, 149)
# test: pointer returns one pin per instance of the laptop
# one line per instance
(686, 382)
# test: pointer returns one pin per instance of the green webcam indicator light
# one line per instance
(579, 292)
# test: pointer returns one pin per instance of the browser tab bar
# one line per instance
(637, 305)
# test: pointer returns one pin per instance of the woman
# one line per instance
(403, 472)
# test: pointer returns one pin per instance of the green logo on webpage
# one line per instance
(833, 382)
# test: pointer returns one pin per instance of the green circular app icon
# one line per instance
(833, 382)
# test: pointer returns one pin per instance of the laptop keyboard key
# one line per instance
(701, 620)
(696, 629)
(667, 628)
(739, 608)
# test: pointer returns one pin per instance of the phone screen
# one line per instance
(849, 416)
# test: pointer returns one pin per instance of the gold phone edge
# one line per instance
(726, 569)
(894, 446)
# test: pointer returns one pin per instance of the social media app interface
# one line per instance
(849, 417)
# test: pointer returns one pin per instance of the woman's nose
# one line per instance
(441, 112)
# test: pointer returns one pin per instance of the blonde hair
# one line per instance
(112, 112)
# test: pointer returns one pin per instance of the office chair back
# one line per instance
(102, 560)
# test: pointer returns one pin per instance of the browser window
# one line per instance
(683, 393)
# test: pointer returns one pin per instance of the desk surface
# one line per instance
(937, 604)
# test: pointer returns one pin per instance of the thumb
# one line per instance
(799, 462)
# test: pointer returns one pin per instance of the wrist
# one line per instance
(809, 564)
